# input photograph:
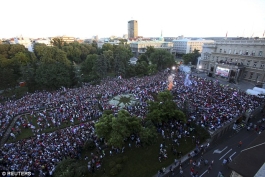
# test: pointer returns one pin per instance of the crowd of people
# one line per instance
(211, 105)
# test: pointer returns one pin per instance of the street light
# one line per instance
(173, 67)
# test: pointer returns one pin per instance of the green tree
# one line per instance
(58, 42)
(116, 129)
(110, 60)
(73, 52)
(14, 49)
(141, 68)
(101, 66)
(191, 57)
(162, 59)
(39, 50)
(148, 135)
(142, 58)
(66, 168)
(164, 109)
(87, 68)
(149, 51)
(107, 47)
(152, 69)
(122, 55)
(53, 75)
(4, 49)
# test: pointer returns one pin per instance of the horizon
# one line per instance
(82, 19)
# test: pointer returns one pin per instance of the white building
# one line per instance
(184, 46)
(43, 41)
(23, 41)
(106, 41)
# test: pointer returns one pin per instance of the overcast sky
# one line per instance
(86, 18)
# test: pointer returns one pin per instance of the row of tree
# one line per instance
(69, 64)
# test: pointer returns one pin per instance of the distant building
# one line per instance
(139, 47)
(132, 29)
(184, 46)
(22, 41)
(106, 41)
(133, 60)
(66, 39)
(125, 36)
(251, 160)
(43, 41)
(235, 59)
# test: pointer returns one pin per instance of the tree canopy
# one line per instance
(191, 57)
(164, 109)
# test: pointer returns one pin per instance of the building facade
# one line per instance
(132, 29)
(66, 39)
(242, 59)
(184, 46)
(139, 47)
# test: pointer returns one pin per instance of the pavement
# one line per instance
(226, 144)
(241, 85)
(226, 147)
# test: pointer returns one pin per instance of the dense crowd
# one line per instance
(211, 105)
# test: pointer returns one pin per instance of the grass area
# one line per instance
(125, 100)
(143, 161)
(27, 132)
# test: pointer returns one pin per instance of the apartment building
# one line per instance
(132, 29)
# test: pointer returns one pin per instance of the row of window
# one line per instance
(252, 76)
(241, 52)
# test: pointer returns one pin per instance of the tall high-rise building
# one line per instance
(132, 29)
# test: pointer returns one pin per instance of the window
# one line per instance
(255, 64)
(251, 75)
(220, 50)
(230, 51)
(260, 53)
(235, 52)
(253, 53)
(261, 66)
(246, 52)
(240, 52)
(248, 63)
(224, 51)
(245, 74)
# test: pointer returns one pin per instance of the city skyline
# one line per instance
(84, 19)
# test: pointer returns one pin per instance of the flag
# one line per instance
(226, 34)
(263, 33)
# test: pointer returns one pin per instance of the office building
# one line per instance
(139, 47)
(184, 46)
(132, 29)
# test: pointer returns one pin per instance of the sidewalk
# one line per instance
(183, 160)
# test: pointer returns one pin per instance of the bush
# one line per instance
(119, 160)
(112, 164)
(124, 158)
(114, 171)
(119, 167)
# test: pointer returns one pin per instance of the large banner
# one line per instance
(222, 71)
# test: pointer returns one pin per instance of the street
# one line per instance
(227, 147)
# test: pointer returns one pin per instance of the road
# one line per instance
(227, 147)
